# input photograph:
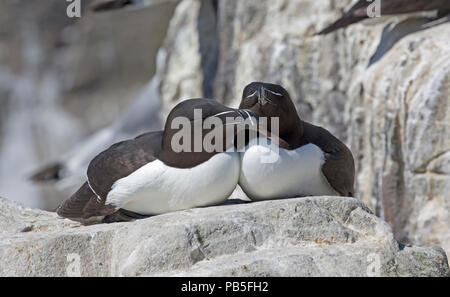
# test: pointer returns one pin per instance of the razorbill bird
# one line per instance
(309, 160)
(150, 175)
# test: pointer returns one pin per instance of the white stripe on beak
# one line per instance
(275, 93)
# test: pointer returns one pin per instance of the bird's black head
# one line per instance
(196, 129)
(271, 100)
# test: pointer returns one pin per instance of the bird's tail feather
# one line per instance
(84, 205)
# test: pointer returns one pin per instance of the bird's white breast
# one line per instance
(157, 188)
(269, 172)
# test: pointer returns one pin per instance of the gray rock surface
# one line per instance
(320, 236)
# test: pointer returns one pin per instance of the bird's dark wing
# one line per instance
(359, 12)
(121, 159)
(339, 170)
(339, 166)
(118, 161)
(83, 205)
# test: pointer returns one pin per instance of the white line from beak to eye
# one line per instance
(251, 95)
(275, 93)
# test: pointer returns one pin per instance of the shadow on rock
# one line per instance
(392, 33)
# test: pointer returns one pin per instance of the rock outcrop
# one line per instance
(382, 86)
(315, 236)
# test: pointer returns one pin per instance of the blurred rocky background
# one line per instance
(382, 86)
(62, 79)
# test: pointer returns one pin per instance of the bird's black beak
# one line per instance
(262, 98)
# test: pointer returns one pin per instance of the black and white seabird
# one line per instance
(358, 11)
(310, 160)
(146, 176)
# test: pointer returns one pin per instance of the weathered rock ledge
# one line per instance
(315, 236)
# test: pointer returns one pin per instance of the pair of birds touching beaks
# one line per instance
(146, 176)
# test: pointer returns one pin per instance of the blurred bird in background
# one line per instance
(359, 11)
(105, 5)
(141, 116)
